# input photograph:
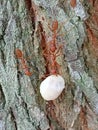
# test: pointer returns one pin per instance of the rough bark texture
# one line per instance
(21, 105)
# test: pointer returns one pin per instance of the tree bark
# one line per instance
(22, 25)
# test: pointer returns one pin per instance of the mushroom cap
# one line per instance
(52, 87)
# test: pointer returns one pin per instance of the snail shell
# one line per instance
(52, 87)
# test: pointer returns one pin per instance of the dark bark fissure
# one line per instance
(43, 46)
(2, 98)
(31, 12)
(13, 118)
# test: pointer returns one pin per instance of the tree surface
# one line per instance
(26, 25)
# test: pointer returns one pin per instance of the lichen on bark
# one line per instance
(21, 105)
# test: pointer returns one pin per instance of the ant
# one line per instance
(73, 3)
(52, 51)
(54, 65)
(20, 56)
(52, 77)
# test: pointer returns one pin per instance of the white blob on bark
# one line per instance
(52, 87)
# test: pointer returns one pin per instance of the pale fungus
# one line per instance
(52, 87)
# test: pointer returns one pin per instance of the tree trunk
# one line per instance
(26, 25)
